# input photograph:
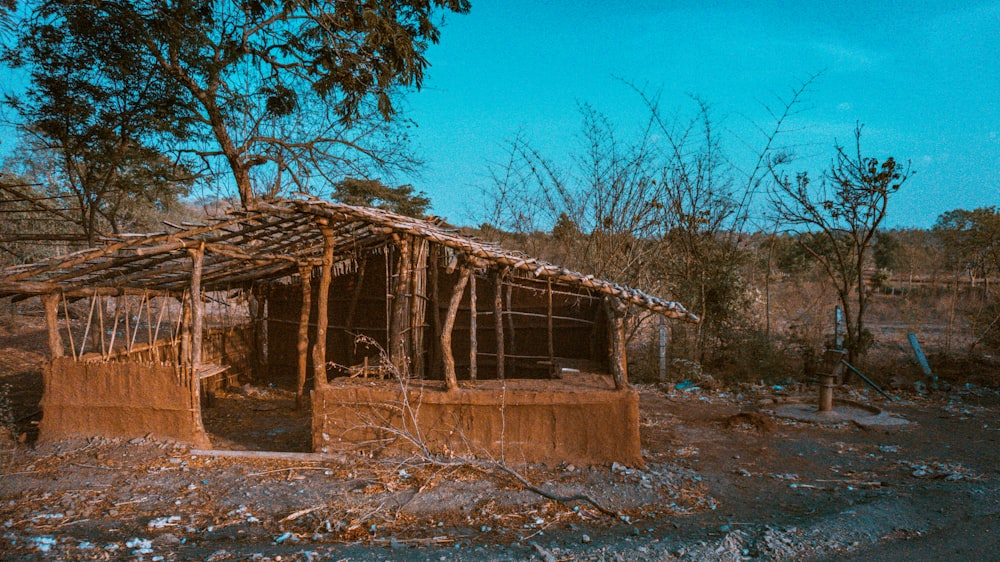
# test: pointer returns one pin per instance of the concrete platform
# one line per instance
(844, 411)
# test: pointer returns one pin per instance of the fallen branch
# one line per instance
(301, 512)
(288, 469)
(555, 497)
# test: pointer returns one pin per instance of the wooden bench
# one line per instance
(211, 380)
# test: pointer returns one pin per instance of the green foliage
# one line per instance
(373, 193)
(290, 90)
(971, 239)
(887, 251)
(92, 132)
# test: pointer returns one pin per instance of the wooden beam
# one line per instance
(305, 273)
(450, 377)
(51, 301)
(322, 300)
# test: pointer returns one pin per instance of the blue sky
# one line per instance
(923, 77)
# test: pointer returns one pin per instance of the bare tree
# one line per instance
(664, 209)
(837, 223)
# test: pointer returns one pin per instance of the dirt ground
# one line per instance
(724, 481)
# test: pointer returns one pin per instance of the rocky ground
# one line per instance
(724, 480)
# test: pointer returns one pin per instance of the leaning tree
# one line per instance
(837, 222)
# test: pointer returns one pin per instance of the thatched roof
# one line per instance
(269, 241)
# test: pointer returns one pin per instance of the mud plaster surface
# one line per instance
(128, 400)
(579, 419)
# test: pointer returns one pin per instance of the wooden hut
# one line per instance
(397, 332)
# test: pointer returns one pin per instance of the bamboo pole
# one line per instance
(86, 330)
(548, 320)
(184, 327)
(450, 377)
(128, 324)
(418, 307)
(149, 319)
(101, 311)
(473, 340)
(397, 327)
(69, 327)
(51, 301)
(114, 327)
(322, 300)
(510, 318)
(435, 309)
(305, 273)
(498, 321)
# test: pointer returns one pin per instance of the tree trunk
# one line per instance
(450, 377)
(302, 346)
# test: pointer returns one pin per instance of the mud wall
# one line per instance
(117, 399)
(517, 424)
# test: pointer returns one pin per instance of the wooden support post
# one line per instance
(510, 319)
(399, 323)
(548, 327)
(197, 309)
(432, 263)
(498, 320)
(418, 307)
(258, 311)
(451, 379)
(51, 301)
(473, 337)
(616, 327)
(305, 273)
(662, 347)
(322, 305)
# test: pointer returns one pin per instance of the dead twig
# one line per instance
(301, 512)
(290, 468)
(553, 496)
